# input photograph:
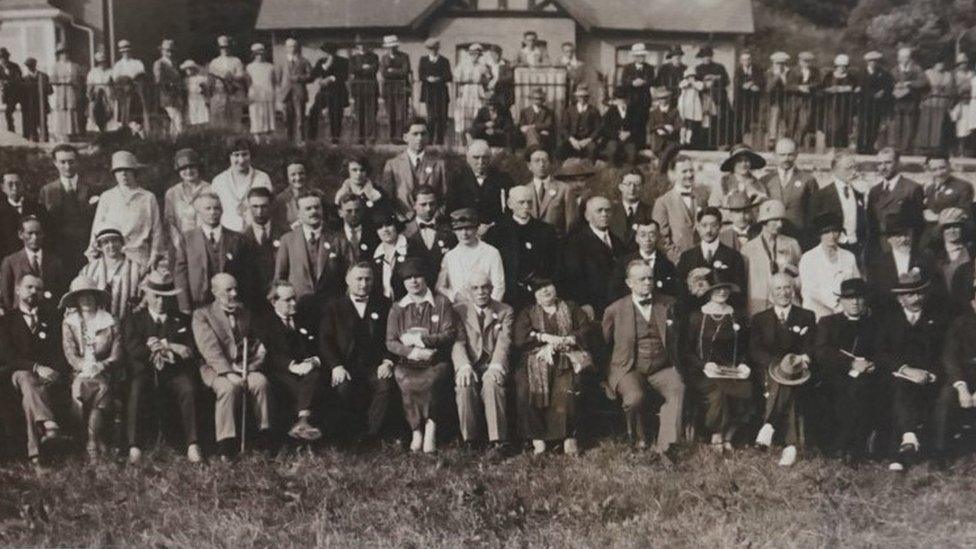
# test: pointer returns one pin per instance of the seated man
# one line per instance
(30, 350)
(480, 354)
(159, 345)
(352, 345)
(619, 130)
(292, 359)
(493, 123)
(781, 342)
(225, 337)
(844, 354)
(955, 393)
(420, 331)
(643, 357)
(580, 127)
(909, 348)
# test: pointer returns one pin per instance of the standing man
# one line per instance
(71, 200)
(363, 66)
(802, 86)
(233, 184)
(876, 87)
(553, 201)
(716, 80)
(619, 129)
(946, 191)
(434, 72)
(263, 239)
(412, 168)
(397, 86)
(748, 83)
(428, 232)
(471, 255)
(352, 347)
(644, 358)
(15, 207)
(356, 239)
(908, 82)
(133, 211)
(10, 87)
(590, 256)
(794, 188)
(842, 200)
(630, 212)
(480, 355)
(895, 195)
(292, 74)
(480, 186)
(169, 84)
(128, 77)
(34, 105)
(672, 72)
(331, 72)
(768, 255)
(711, 254)
(676, 210)
(663, 271)
(205, 251)
(581, 127)
(221, 331)
(228, 82)
(637, 78)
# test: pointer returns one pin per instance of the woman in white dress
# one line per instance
(261, 93)
(471, 77)
(964, 111)
(197, 92)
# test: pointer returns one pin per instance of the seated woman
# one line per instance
(550, 337)
(737, 169)
(391, 252)
(357, 182)
(716, 348)
(93, 348)
(954, 256)
(115, 273)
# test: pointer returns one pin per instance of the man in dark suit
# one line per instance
(397, 89)
(71, 200)
(841, 199)
(955, 393)
(644, 357)
(783, 335)
(894, 194)
(352, 346)
(331, 72)
(413, 167)
(844, 353)
(527, 246)
(580, 127)
(795, 189)
(884, 269)
(209, 249)
(356, 238)
(10, 87)
(646, 239)
(364, 89)
(429, 233)
(434, 73)
(945, 191)
(34, 104)
(537, 122)
(293, 362)
(34, 258)
(30, 348)
(14, 205)
(748, 81)
(672, 72)
(292, 74)
(630, 211)
(619, 129)
(909, 347)
(161, 353)
(480, 186)
(711, 254)
(637, 78)
(876, 87)
(263, 238)
(589, 256)
(310, 258)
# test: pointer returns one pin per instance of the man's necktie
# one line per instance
(645, 302)
(847, 191)
(35, 266)
(606, 240)
(31, 322)
(259, 235)
(213, 238)
(481, 320)
(708, 256)
(234, 327)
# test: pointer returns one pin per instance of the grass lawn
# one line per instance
(608, 497)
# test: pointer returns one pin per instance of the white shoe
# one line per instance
(417, 442)
(538, 447)
(896, 467)
(789, 456)
(765, 436)
(570, 448)
(135, 455)
(430, 437)
(193, 454)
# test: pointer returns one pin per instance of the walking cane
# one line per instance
(244, 401)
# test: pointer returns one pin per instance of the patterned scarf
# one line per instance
(542, 361)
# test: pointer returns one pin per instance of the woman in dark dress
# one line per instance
(715, 352)
(550, 337)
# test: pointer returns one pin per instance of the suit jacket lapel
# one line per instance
(660, 316)
(547, 193)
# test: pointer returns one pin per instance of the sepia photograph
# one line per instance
(488, 273)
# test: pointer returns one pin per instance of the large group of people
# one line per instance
(765, 310)
(646, 108)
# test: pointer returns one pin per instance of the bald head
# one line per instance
(479, 156)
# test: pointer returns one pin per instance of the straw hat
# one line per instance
(736, 201)
(873, 56)
(391, 41)
(638, 49)
(952, 217)
(791, 370)
(660, 93)
(85, 285)
(257, 48)
(160, 283)
(780, 57)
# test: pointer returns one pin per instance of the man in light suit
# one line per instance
(675, 211)
(894, 194)
(480, 355)
(292, 74)
(630, 211)
(207, 250)
(769, 254)
(221, 330)
(310, 258)
(842, 200)
(553, 201)
(412, 168)
(71, 200)
(644, 357)
(795, 189)
(35, 258)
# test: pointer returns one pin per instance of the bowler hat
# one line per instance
(790, 370)
(573, 168)
(160, 283)
(828, 221)
(125, 160)
(853, 287)
(705, 51)
(737, 201)
(739, 151)
(465, 218)
(184, 158)
(84, 285)
(953, 217)
(771, 209)
(638, 49)
(411, 267)
(674, 51)
(913, 281)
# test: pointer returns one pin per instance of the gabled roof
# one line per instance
(699, 16)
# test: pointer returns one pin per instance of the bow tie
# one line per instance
(645, 302)
(360, 299)
(686, 195)
(430, 226)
